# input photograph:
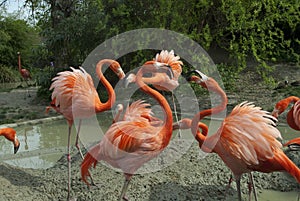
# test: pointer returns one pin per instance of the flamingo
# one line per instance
(293, 116)
(10, 134)
(161, 81)
(74, 95)
(246, 140)
(24, 72)
(128, 144)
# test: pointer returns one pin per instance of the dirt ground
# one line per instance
(190, 178)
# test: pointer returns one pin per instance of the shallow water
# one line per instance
(43, 144)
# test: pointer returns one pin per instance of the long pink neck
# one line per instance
(166, 131)
(199, 116)
(292, 99)
(111, 93)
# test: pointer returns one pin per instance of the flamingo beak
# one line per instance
(130, 79)
(16, 148)
(120, 73)
(294, 147)
(275, 113)
(203, 77)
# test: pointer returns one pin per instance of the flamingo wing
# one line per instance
(136, 110)
(73, 91)
(249, 134)
(140, 111)
(127, 145)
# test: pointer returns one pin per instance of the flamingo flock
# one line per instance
(247, 140)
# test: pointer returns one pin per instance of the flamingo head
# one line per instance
(280, 107)
(203, 80)
(116, 68)
(10, 134)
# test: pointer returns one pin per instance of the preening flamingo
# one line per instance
(293, 116)
(24, 72)
(10, 134)
(246, 140)
(161, 81)
(74, 96)
(127, 145)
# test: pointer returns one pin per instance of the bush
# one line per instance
(8, 74)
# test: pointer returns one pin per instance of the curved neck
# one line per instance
(166, 131)
(111, 93)
(292, 99)
(8, 135)
(19, 62)
(200, 137)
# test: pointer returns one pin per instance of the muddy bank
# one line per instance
(190, 178)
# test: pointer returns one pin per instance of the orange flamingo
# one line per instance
(127, 145)
(10, 134)
(74, 95)
(293, 116)
(246, 140)
(24, 72)
(162, 81)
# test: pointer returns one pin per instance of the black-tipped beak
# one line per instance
(16, 149)
(294, 147)
(198, 73)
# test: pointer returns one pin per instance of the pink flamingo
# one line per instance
(74, 95)
(246, 140)
(10, 134)
(23, 72)
(162, 81)
(128, 144)
(293, 116)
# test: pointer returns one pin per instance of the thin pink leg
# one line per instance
(69, 163)
(77, 139)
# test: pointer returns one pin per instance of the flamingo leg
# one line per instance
(69, 163)
(77, 139)
(252, 186)
(238, 187)
(27, 89)
(175, 111)
(125, 187)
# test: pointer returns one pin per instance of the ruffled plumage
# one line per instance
(73, 92)
(174, 61)
(249, 134)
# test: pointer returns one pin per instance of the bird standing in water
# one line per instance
(247, 139)
(74, 96)
(128, 144)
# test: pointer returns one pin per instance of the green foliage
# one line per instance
(228, 74)
(8, 74)
(267, 30)
(16, 36)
